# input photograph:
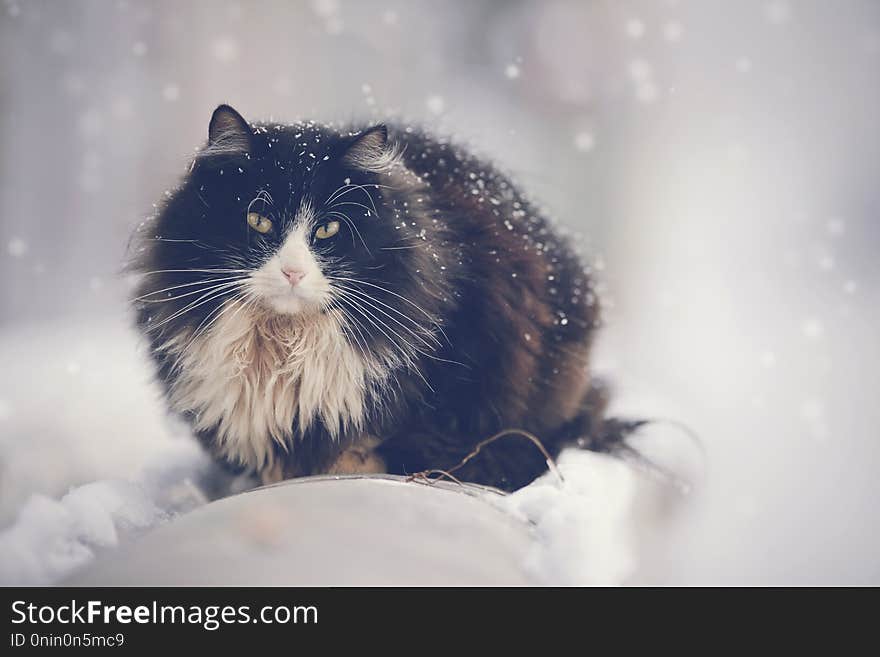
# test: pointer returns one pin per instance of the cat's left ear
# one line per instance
(371, 151)
(228, 131)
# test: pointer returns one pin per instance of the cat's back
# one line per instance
(461, 178)
(507, 244)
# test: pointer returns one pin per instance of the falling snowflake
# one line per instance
(171, 92)
(813, 329)
(826, 262)
(225, 49)
(436, 104)
(835, 226)
(512, 72)
(635, 29)
(584, 141)
(743, 65)
(328, 12)
(777, 12)
(17, 247)
(673, 31)
(326, 8)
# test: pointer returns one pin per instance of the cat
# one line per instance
(320, 299)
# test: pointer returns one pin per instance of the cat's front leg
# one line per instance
(360, 458)
(272, 474)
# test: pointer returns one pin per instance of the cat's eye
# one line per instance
(258, 222)
(327, 230)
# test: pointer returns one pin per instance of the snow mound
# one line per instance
(584, 526)
(52, 538)
(584, 529)
(106, 465)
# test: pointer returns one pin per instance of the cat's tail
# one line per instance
(664, 449)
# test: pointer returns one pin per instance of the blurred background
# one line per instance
(721, 161)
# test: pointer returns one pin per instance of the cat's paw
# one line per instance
(273, 474)
(359, 459)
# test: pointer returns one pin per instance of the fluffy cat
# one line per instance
(323, 300)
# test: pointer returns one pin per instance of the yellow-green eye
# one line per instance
(258, 222)
(327, 230)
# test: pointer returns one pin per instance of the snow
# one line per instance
(743, 64)
(584, 141)
(836, 226)
(635, 28)
(584, 526)
(52, 538)
(85, 445)
(777, 12)
(813, 328)
(302, 531)
(17, 247)
(225, 49)
(435, 104)
(171, 92)
(106, 466)
(673, 31)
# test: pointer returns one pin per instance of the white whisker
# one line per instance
(372, 301)
(145, 297)
(384, 289)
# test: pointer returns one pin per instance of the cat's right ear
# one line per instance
(228, 131)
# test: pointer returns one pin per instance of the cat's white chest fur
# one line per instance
(255, 379)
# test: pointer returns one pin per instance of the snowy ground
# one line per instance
(90, 461)
(87, 453)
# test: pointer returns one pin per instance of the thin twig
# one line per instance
(551, 464)
(425, 476)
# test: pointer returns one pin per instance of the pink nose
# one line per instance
(293, 276)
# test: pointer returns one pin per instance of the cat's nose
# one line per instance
(293, 276)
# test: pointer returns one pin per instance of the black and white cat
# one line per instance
(319, 300)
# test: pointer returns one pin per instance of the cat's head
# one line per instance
(294, 205)
(295, 220)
